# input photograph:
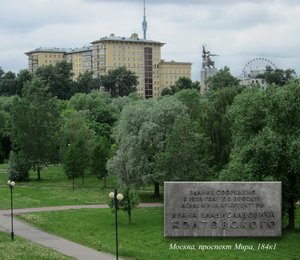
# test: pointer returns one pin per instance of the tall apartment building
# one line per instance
(138, 55)
(44, 56)
(171, 71)
(81, 59)
(141, 56)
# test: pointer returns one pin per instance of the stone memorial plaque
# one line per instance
(222, 209)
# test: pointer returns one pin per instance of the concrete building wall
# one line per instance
(254, 81)
(44, 56)
(81, 60)
(171, 71)
(204, 75)
(113, 52)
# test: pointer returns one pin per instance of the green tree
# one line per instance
(5, 145)
(117, 105)
(77, 140)
(99, 155)
(119, 82)
(125, 134)
(35, 121)
(217, 126)
(2, 72)
(278, 77)
(196, 105)
(85, 83)
(90, 101)
(6, 104)
(2, 127)
(186, 155)
(222, 79)
(180, 84)
(8, 84)
(18, 167)
(58, 78)
(266, 139)
(120, 102)
(97, 107)
(23, 77)
(140, 135)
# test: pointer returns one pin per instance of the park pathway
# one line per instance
(59, 244)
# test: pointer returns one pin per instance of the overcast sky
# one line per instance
(237, 30)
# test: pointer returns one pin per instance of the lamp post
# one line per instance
(116, 197)
(11, 184)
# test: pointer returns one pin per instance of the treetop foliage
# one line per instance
(119, 82)
(59, 79)
(278, 77)
(180, 84)
(266, 138)
(222, 79)
(229, 133)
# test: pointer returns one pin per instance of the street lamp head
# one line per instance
(111, 195)
(11, 183)
(120, 196)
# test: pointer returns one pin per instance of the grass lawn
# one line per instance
(55, 190)
(144, 239)
(25, 250)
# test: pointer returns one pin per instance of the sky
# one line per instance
(237, 30)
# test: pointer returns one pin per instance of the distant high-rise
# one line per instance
(81, 58)
(143, 57)
(145, 23)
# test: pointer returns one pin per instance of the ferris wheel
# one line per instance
(256, 67)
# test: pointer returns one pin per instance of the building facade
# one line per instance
(171, 71)
(141, 56)
(138, 55)
(254, 82)
(81, 59)
(44, 56)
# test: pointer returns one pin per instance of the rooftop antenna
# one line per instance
(144, 22)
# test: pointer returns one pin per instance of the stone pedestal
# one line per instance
(204, 75)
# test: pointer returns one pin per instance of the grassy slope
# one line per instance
(141, 240)
(25, 250)
(55, 189)
(144, 238)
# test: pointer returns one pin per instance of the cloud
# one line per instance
(198, 2)
(236, 30)
(26, 16)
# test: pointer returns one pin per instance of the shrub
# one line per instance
(18, 167)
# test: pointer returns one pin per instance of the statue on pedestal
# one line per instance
(206, 60)
(208, 68)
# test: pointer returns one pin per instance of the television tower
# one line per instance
(144, 22)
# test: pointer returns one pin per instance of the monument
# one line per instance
(222, 209)
(208, 68)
